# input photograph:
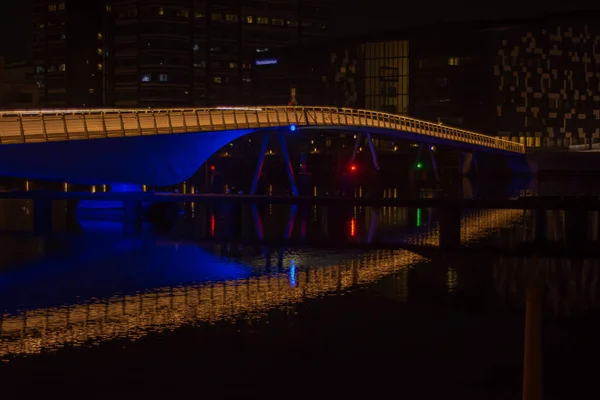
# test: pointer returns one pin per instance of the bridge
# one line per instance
(134, 316)
(164, 147)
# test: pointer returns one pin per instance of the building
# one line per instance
(148, 53)
(69, 52)
(535, 81)
(17, 89)
(200, 53)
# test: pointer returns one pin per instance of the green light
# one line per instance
(419, 165)
(418, 217)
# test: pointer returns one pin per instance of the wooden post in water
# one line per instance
(532, 364)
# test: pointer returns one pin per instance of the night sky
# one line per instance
(352, 17)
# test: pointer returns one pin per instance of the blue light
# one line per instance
(293, 273)
(270, 61)
(293, 128)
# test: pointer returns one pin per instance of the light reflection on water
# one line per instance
(163, 305)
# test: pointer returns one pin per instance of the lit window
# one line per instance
(231, 18)
(215, 16)
(63, 36)
(247, 80)
(291, 23)
(108, 8)
(99, 51)
(199, 14)
(217, 79)
(246, 66)
(343, 70)
(51, 7)
(163, 77)
(277, 21)
(184, 13)
(92, 90)
(233, 65)
(453, 61)
(62, 67)
(262, 20)
(39, 68)
(99, 67)
(99, 36)
(201, 64)
(249, 19)
(196, 47)
(61, 6)
(145, 78)
(41, 25)
(262, 49)
(161, 11)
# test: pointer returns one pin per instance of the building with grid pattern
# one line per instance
(170, 53)
(534, 81)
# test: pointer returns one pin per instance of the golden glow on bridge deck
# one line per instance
(166, 308)
(27, 126)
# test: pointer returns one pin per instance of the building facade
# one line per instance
(534, 81)
(200, 53)
(171, 53)
(69, 52)
(17, 88)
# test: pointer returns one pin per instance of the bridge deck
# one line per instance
(30, 126)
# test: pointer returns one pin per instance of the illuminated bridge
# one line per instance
(133, 316)
(163, 147)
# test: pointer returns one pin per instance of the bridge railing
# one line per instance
(71, 124)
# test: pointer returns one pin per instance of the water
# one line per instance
(284, 301)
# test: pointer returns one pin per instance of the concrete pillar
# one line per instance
(532, 357)
(467, 164)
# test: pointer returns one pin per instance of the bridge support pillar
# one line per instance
(259, 165)
(434, 167)
(373, 153)
(288, 163)
(532, 357)
(42, 216)
(359, 139)
(433, 163)
(450, 236)
(468, 164)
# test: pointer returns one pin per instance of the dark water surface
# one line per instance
(216, 304)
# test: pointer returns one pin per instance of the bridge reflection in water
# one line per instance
(134, 316)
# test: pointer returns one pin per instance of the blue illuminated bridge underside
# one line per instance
(165, 147)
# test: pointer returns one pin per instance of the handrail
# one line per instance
(25, 126)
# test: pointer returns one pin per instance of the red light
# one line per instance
(212, 225)
(353, 167)
(212, 167)
(352, 227)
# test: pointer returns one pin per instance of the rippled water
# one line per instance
(209, 306)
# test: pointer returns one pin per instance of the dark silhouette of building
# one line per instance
(146, 53)
(69, 52)
(200, 53)
(17, 89)
(535, 81)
